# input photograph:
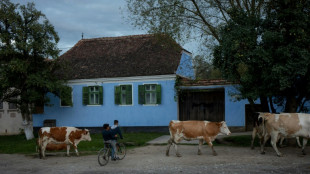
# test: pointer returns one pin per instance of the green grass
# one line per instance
(19, 144)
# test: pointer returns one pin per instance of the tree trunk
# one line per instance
(264, 103)
(28, 126)
(291, 104)
(28, 129)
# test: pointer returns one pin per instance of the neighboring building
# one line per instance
(128, 78)
(11, 122)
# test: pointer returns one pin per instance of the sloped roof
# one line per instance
(125, 56)
(204, 82)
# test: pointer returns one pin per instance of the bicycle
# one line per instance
(105, 153)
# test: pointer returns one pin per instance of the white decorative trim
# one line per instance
(99, 81)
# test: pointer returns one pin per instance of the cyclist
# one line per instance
(110, 136)
(116, 129)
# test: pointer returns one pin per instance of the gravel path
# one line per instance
(152, 159)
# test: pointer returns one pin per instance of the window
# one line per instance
(1, 105)
(149, 94)
(13, 105)
(93, 95)
(123, 94)
(66, 97)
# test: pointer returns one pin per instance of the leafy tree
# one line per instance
(258, 43)
(269, 54)
(27, 46)
(188, 18)
(205, 69)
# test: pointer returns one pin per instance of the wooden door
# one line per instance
(202, 105)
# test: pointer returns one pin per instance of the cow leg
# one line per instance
(168, 146)
(273, 142)
(199, 146)
(298, 142)
(43, 147)
(281, 142)
(176, 150)
(253, 137)
(304, 143)
(263, 142)
(68, 149)
(75, 148)
(208, 140)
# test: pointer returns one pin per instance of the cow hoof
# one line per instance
(252, 148)
(199, 153)
(214, 154)
(178, 155)
(263, 153)
(303, 152)
(280, 155)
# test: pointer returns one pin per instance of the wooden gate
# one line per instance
(202, 105)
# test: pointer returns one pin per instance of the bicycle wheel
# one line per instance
(103, 156)
(120, 150)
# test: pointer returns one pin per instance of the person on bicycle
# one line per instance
(110, 136)
(117, 129)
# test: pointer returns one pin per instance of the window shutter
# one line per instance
(100, 95)
(117, 95)
(85, 95)
(158, 94)
(128, 94)
(141, 94)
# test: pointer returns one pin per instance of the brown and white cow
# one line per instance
(61, 135)
(191, 130)
(258, 130)
(286, 125)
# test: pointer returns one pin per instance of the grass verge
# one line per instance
(19, 145)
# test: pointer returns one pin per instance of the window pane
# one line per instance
(147, 87)
(123, 99)
(153, 87)
(153, 97)
(1, 105)
(96, 99)
(92, 99)
(12, 106)
(147, 98)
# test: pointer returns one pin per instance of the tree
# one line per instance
(28, 57)
(188, 18)
(269, 54)
(204, 69)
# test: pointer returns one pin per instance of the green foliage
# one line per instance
(205, 69)
(268, 54)
(28, 56)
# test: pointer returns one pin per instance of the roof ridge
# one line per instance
(118, 37)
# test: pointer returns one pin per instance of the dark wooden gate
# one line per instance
(202, 105)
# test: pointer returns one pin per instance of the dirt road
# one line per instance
(152, 159)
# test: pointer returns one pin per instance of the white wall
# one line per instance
(10, 121)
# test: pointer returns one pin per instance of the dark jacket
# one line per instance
(118, 131)
(108, 135)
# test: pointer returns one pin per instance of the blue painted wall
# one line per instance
(186, 67)
(95, 116)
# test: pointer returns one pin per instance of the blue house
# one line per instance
(132, 79)
(128, 78)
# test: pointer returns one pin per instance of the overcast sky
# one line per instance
(94, 18)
